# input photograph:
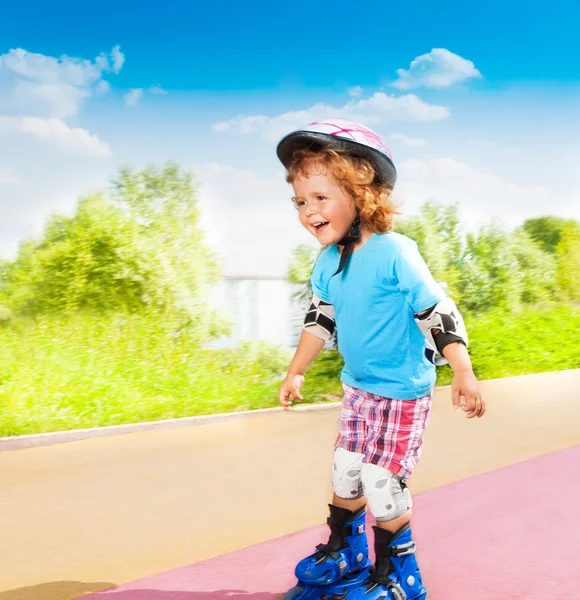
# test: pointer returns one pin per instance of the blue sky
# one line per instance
(488, 114)
(201, 46)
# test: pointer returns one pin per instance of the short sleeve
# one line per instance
(317, 282)
(414, 279)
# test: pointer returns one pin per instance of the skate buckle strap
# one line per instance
(338, 559)
(403, 549)
(346, 529)
(397, 591)
(342, 564)
(399, 550)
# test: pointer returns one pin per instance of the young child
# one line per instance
(393, 324)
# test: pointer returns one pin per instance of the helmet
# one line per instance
(347, 136)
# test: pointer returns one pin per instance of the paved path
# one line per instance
(478, 539)
(86, 515)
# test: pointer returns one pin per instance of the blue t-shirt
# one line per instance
(386, 282)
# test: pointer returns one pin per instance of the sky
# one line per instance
(478, 102)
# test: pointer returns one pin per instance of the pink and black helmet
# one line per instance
(346, 136)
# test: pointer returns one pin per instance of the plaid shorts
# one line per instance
(389, 432)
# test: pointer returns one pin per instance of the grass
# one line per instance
(59, 374)
(533, 341)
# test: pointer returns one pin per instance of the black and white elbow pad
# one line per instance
(446, 319)
(319, 320)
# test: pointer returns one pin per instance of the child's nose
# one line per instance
(310, 209)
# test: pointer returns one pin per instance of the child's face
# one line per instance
(320, 199)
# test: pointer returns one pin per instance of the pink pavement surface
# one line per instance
(511, 534)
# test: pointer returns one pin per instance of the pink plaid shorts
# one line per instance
(389, 432)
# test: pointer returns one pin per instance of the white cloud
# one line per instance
(241, 124)
(50, 70)
(44, 86)
(72, 139)
(7, 175)
(437, 69)
(355, 91)
(118, 59)
(158, 90)
(481, 194)
(411, 142)
(132, 97)
(44, 100)
(249, 219)
(103, 87)
(379, 108)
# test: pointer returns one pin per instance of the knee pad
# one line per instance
(346, 469)
(386, 494)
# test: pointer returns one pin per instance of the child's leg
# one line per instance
(397, 523)
(394, 442)
(347, 547)
(395, 434)
(350, 447)
(342, 563)
(352, 505)
(356, 438)
(349, 452)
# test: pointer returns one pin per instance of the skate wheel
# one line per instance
(293, 593)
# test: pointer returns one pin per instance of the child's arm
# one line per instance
(308, 349)
(464, 382)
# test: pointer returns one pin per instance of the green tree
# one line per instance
(505, 270)
(88, 261)
(302, 261)
(143, 251)
(568, 253)
(436, 229)
(545, 231)
(5, 267)
(164, 203)
(536, 269)
(489, 271)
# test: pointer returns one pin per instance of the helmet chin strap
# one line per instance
(348, 241)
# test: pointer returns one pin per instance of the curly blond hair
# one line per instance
(356, 176)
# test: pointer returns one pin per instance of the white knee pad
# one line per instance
(387, 496)
(346, 469)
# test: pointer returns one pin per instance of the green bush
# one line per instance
(535, 340)
(61, 373)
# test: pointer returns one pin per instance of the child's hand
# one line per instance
(465, 384)
(290, 388)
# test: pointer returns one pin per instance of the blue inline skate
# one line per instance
(338, 566)
(395, 575)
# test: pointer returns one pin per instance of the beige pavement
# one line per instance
(84, 515)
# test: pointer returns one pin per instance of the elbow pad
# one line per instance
(319, 320)
(446, 319)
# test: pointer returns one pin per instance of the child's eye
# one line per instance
(297, 203)
(319, 198)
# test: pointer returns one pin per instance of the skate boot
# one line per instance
(395, 575)
(337, 566)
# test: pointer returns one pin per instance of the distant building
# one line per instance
(259, 308)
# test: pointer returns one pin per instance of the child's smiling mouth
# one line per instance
(320, 226)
